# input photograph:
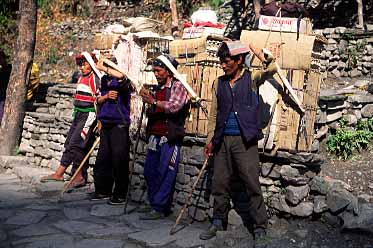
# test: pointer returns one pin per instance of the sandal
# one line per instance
(50, 178)
(77, 184)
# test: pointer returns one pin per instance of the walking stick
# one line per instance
(80, 166)
(205, 163)
(134, 157)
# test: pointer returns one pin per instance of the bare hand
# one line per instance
(112, 95)
(208, 150)
(148, 98)
(100, 65)
(99, 126)
(144, 92)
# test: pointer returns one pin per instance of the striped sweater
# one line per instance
(86, 91)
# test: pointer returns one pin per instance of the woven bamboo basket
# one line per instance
(283, 126)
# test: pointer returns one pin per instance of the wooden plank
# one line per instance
(311, 98)
(203, 121)
(205, 79)
(290, 117)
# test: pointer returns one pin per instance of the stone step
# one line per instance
(31, 174)
(9, 162)
(20, 166)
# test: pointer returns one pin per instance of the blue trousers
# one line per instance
(160, 170)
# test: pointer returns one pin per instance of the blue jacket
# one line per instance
(118, 111)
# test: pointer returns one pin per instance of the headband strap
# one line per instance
(90, 61)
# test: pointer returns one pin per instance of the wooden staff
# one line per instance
(288, 86)
(172, 231)
(67, 185)
(138, 133)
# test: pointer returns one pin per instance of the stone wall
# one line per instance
(353, 102)
(290, 182)
(349, 53)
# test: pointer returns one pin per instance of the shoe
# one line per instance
(98, 197)
(116, 201)
(152, 215)
(144, 209)
(261, 240)
(211, 232)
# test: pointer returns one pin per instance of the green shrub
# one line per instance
(365, 125)
(46, 7)
(215, 3)
(52, 56)
(8, 7)
(8, 10)
(346, 141)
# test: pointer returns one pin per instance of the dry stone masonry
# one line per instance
(349, 53)
(353, 102)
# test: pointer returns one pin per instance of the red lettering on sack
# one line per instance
(281, 21)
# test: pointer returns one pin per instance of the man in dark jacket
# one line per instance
(233, 135)
(165, 130)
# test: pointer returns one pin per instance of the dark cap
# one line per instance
(80, 59)
(158, 62)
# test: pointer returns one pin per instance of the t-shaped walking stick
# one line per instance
(67, 185)
(187, 202)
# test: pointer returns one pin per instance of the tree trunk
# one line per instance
(11, 125)
(257, 6)
(360, 13)
(175, 19)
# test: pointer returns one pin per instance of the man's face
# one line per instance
(161, 74)
(230, 66)
(85, 68)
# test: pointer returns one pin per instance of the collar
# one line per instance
(239, 77)
(241, 74)
(168, 85)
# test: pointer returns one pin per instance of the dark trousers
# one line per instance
(160, 171)
(75, 146)
(233, 155)
(112, 162)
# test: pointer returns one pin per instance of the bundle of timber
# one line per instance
(284, 126)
